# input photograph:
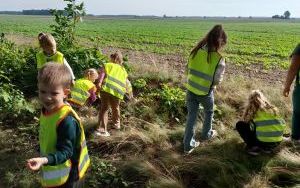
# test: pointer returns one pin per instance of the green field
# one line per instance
(147, 152)
(250, 40)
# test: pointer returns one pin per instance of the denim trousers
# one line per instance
(193, 101)
(296, 113)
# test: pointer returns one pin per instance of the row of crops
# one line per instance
(250, 41)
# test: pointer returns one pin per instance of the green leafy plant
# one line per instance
(81, 59)
(66, 21)
(104, 174)
(18, 65)
(173, 100)
(139, 83)
(13, 103)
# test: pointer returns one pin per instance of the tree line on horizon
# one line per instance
(286, 14)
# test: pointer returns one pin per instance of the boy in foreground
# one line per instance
(64, 157)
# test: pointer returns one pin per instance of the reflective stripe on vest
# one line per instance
(57, 175)
(80, 91)
(42, 59)
(201, 73)
(115, 81)
(269, 128)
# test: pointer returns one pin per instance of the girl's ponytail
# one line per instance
(40, 36)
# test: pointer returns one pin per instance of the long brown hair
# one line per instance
(214, 40)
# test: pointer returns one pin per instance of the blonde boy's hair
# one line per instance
(55, 74)
(46, 40)
(257, 101)
(117, 57)
(90, 72)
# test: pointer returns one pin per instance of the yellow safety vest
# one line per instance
(80, 91)
(42, 59)
(58, 175)
(268, 127)
(115, 81)
(201, 73)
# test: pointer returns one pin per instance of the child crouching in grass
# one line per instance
(84, 90)
(262, 128)
(114, 84)
(64, 157)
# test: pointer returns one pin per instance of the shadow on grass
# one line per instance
(13, 154)
(221, 164)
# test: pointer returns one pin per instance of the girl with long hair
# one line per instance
(206, 68)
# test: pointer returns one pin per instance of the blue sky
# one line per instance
(169, 7)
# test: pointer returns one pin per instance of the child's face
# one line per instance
(49, 50)
(52, 96)
(93, 77)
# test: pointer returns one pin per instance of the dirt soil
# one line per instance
(178, 62)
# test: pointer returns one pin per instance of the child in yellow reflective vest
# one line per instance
(261, 128)
(114, 84)
(206, 67)
(64, 157)
(84, 89)
(49, 53)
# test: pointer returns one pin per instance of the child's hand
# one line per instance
(36, 163)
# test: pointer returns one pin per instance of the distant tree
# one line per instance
(164, 16)
(287, 14)
(276, 16)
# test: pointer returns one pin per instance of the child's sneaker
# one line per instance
(286, 139)
(253, 150)
(105, 133)
(192, 149)
(214, 134)
(116, 126)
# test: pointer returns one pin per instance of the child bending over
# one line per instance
(113, 89)
(84, 90)
(262, 128)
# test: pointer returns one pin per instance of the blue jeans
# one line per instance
(296, 113)
(193, 101)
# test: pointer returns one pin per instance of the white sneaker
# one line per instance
(191, 150)
(105, 134)
(286, 139)
(290, 139)
(214, 134)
